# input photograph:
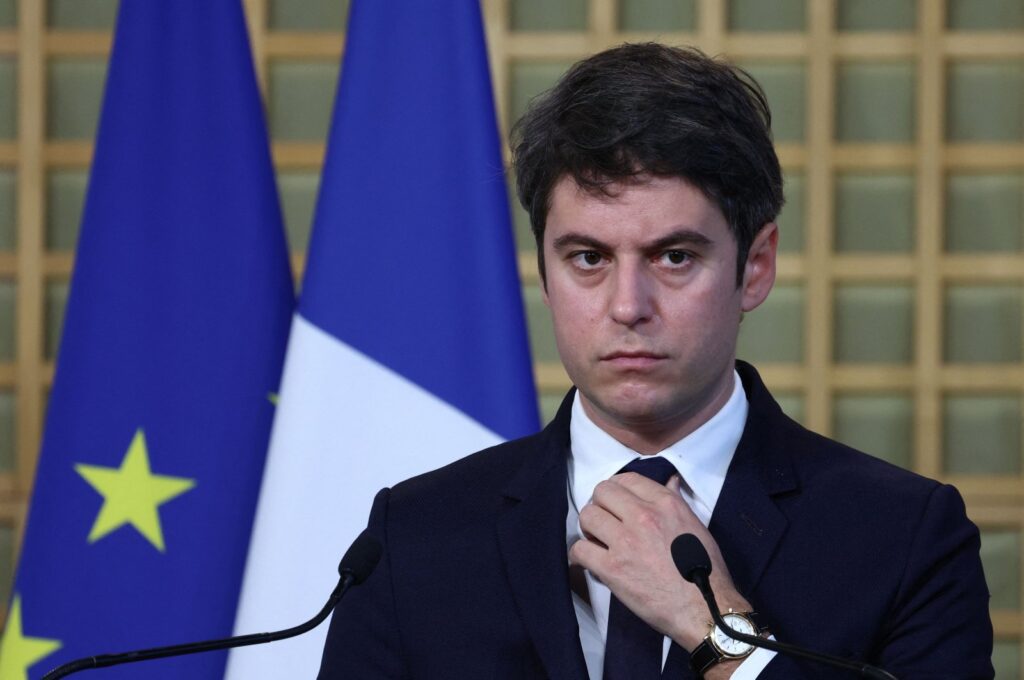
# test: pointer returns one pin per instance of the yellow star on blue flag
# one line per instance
(17, 650)
(132, 494)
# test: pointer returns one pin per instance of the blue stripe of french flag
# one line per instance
(409, 348)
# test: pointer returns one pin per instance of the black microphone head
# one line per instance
(361, 558)
(690, 557)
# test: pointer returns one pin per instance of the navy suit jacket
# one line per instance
(838, 551)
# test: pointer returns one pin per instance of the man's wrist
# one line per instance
(691, 630)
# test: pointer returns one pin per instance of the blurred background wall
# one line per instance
(896, 324)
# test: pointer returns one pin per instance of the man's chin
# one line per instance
(632, 406)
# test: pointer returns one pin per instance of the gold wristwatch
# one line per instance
(717, 646)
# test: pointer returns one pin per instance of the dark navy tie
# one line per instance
(633, 649)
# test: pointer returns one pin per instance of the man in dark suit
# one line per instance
(652, 187)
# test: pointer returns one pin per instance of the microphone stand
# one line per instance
(358, 562)
(104, 660)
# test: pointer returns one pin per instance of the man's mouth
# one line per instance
(632, 360)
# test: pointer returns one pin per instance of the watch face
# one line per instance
(725, 644)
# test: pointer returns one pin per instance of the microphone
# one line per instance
(694, 565)
(355, 567)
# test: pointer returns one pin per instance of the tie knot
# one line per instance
(651, 467)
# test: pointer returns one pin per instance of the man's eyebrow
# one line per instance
(577, 239)
(680, 237)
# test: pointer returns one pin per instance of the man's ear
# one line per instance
(759, 271)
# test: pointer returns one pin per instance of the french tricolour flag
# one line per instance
(408, 349)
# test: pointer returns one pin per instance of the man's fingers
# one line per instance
(642, 487)
(599, 524)
(614, 497)
(641, 491)
(587, 554)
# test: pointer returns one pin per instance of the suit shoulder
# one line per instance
(485, 467)
(467, 485)
(824, 466)
(856, 485)
(855, 466)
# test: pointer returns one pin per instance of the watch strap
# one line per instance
(703, 657)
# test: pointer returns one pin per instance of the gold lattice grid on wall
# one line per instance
(897, 321)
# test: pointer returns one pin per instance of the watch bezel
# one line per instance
(728, 618)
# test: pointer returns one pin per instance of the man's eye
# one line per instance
(588, 258)
(676, 256)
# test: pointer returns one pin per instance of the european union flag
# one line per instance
(173, 345)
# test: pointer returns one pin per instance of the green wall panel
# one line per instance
(774, 331)
(8, 13)
(307, 15)
(874, 213)
(8, 293)
(538, 318)
(549, 403)
(985, 101)
(74, 93)
(8, 423)
(982, 324)
(8, 209)
(791, 219)
(981, 434)
(81, 14)
(785, 84)
(875, 102)
(874, 323)
(984, 213)
(879, 424)
(298, 190)
(657, 15)
(56, 301)
(1000, 555)
(876, 15)
(983, 15)
(1006, 659)
(544, 15)
(766, 15)
(8, 97)
(301, 99)
(7, 547)
(65, 198)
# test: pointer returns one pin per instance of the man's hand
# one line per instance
(628, 528)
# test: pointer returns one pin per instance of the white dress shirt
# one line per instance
(702, 459)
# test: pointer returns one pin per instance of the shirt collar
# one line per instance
(702, 457)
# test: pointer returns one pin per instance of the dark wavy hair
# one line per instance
(649, 109)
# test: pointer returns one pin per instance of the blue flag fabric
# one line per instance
(172, 350)
(414, 203)
(409, 348)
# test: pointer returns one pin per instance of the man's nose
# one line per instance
(632, 299)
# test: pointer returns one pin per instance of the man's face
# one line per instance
(642, 290)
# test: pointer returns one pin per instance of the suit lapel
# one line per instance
(747, 523)
(531, 534)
